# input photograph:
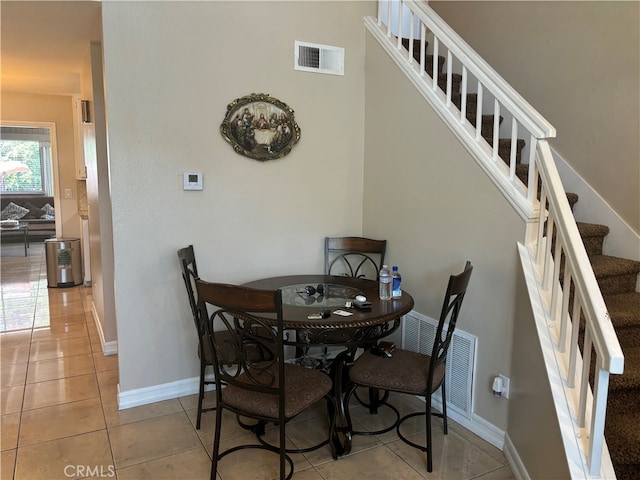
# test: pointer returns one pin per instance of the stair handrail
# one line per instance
(576, 257)
(490, 85)
(561, 318)
(500, 89)
(547, 214)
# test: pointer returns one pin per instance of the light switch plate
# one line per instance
(192, 180)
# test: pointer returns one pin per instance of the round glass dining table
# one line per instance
(305, 295)
(361, 325)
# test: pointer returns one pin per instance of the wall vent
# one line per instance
(311, 57)
(418, 333)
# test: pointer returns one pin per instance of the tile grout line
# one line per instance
(24, 391)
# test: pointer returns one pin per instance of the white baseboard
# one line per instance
(189, 386)
(491, 434)
(515, 462)
(108, 348)
(157, 393)
(478, 425)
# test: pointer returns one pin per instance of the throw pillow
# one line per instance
(13, 212)
(34, 212)
(49, 210)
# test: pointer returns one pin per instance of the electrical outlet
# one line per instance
(505, 386)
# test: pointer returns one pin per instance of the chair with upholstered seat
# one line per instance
(416, 373)
(357, 257)
(268, 390)
(189, 274)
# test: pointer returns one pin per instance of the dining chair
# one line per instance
(358, 257)
(189, 274)
(416, 373)
(268, 390)
(354, 256)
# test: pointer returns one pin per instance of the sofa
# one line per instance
(36, 210)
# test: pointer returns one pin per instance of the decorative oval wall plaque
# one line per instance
(260, 126)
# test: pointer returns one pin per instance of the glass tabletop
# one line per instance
(13, 226)
(318, 295)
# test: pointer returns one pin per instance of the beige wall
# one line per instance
(531, 405)
(577, 63)
(57, 109)
(171, 69)
(425, 194)
(99, 199)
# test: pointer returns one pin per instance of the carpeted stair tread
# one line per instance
(504, 148)
(456, 81)
(428, 65)
(623, 437)
(592, 229)
(592, 236)
(627, 471)
(472, 101)
(630, 378)
(522, 172)
(486, 127)
(622, 401)
(572, 198)
(505, 143)
(486, 119)
(624, 309)
(609, 266)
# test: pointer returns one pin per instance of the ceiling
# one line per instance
(43, 45)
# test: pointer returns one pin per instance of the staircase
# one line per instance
(616, 278)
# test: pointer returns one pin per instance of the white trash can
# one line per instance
(64, 262)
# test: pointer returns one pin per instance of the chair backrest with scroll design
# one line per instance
(255, 385)
(189, 274)
(253, 319)
(415, 373)
(354, 256)
(189, 269)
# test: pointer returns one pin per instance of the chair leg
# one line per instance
(216, 444)
(428, 432)
(444, 406)
(200, 394)
(283, 448)
(374, 400)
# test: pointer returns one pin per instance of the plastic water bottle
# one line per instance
(385, 283)
(396, 292)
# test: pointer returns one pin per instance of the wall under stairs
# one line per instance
(422, 182)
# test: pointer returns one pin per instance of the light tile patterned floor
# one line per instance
(60, 418)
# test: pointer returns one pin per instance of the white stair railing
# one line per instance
(492, 94)
(570, 303)
(558, 272)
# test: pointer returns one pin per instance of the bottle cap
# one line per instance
(395, 268)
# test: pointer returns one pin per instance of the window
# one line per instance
(25, 160)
